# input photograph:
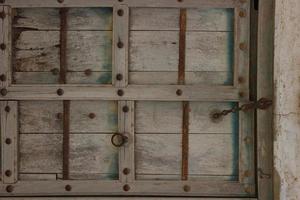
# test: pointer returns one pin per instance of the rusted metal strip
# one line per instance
(182, 44)
(185, 105)
(62, 80)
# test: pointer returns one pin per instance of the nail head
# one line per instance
(60, 92)
(7, 109)
(126, 171)
(119, 77)
(120, 45)
(9, 188)
(120, 12)
(126, 188)
(8, 173)
(2, 15)
(3, 92)
(125, 109)
(186, 188)
(92, 115)
(2, 77)
(88, 72)
(7, 141)
(68, 187)
(120, 92)
(179, 92)
(2, 46)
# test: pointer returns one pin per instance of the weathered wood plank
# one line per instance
(208, 154)
(86, 117)
(89, 154)
(155, 51)
(124, 198)
(9, 141)
(132, 92)
(167, 19)
(191, 78)
(5, 54)
(165, 117)
(39, 51)
(23, 177)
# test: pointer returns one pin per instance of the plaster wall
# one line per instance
(287, 99)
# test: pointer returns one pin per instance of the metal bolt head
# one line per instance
(8, 141)
(2, 15)
(7, 109)
(8, 173)
(88, 72)
(2, 77)
(2, 46)
(120, 92)
(119, 77)
(3, 92)
(179, 92)
(126, 188)
(242, 13)
(120, 45)
(60, 1)
(9, 188)
(60, 92)
(68, 187)
(125, 109)
(186, 188)
(92, 115)
(243, 46)
(126, 171)
(120, 12)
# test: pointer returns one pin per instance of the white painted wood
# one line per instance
(160, 154)
(85, 48)
(168, 19)
(89, 154)
(165, 117)
(5, 38)
(170, 78)
(43, 117)
(120, 36)
(9, 131)
(133, 92)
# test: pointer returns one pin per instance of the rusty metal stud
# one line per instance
(242, 13)
(9, 188)
(68, 187)
(120, 45)
(59, 115)
(55, 71)
(119, 77)
(7, 109)
(120, 12)
(8, 173)
(2, 15)
(2, 77)
(60, 92)
(8, 141)
(241, 79)
(2, 46)
(125, 109)
(60, 1)
(120, 92)
(126, 171)
(126, 188)
(3, 92)
(179, 92)
(186, 188)
(243, 46)
(88, 72)
(92, 115)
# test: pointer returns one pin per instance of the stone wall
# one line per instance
(287, 99)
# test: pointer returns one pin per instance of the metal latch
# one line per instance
(261, 104)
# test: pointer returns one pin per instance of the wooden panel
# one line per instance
(44, 117)
(167, 19)
(209, 155)
(89, 154)
(78, 18)
(125, 198)
(165, 117)
(9, 141)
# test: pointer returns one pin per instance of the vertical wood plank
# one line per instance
(120, 45)
(265, 57)
(5, 51)
(9, 141)
(121, 129)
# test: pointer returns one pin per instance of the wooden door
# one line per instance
(119, 98)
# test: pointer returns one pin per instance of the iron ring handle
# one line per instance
(122, 139)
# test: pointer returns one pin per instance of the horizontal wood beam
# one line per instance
(134, 92)
(93, 187)
(131, 3)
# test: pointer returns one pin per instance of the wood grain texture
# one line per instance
(165, 117)
(89, 154)
(42, 117)
(208, 155)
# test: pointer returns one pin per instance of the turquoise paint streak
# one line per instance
(235, 141)
(230, 46)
